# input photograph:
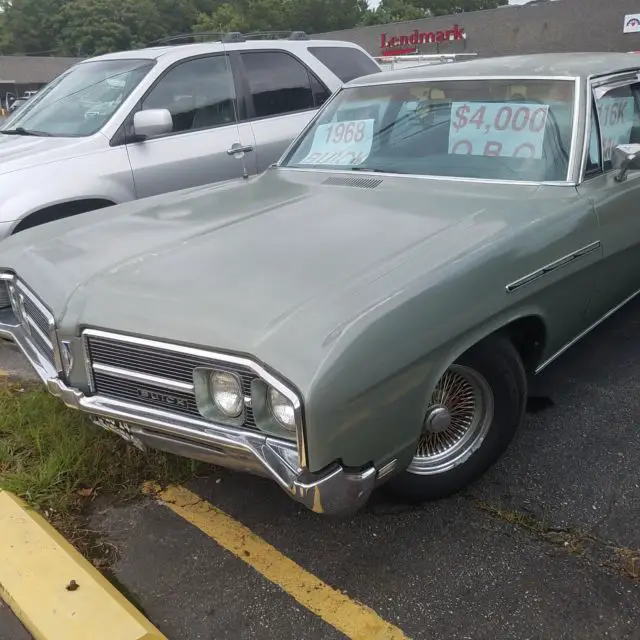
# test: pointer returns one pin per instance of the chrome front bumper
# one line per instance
(334, 491)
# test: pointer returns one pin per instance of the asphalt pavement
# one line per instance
(545, 546)
(10, 627)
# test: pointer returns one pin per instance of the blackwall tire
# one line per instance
(473, 415)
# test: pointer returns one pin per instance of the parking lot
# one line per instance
(545, 546)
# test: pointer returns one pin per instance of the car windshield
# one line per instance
(80, 101)
(516, 130)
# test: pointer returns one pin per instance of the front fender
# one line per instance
(103, 176)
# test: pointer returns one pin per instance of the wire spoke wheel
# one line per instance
(458, 418)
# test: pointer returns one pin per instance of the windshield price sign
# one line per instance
(341, 143)
(511, 129)
(616, 121)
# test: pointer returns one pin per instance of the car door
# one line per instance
(283, 96)
(201, 96)
(615, 119)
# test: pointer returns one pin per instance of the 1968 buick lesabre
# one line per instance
(368, 310)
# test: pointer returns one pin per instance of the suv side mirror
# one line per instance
(152, 122)
(625, 158)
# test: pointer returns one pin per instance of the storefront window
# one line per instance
(484, 129)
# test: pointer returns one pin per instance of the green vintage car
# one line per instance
(368, 310)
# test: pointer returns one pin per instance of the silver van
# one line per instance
(134, 124)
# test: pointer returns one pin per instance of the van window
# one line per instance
(345, 62)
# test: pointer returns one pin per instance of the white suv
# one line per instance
(138, 123)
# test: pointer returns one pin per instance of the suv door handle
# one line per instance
(236, 148)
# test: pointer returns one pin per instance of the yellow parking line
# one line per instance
(54, 591)
(352, 618)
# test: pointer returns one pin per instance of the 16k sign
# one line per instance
(511, 129)
(616, 116)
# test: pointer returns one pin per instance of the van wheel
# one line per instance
(472, 416)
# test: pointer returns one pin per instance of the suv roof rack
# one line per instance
(227, 36)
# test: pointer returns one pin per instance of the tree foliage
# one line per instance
(89, 27)
(312, 16)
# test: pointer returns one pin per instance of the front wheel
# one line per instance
(472, 416)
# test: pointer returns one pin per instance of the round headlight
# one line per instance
(282, 409)
(226, 392)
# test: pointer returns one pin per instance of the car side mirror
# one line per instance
(625, 158)
(151, 123)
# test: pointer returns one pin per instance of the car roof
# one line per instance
(177, 52)
(574, 65)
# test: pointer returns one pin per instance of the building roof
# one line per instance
(32, 69)
(580, 65)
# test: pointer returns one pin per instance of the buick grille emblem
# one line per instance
(162, 398)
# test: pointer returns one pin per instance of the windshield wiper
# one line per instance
(373, 170)
(21, 131)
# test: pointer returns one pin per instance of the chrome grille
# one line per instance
(36, 320)
(5, 301)
(164, 363)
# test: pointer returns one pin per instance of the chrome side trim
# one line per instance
(575, 159)
(378, 174)
(588, 330)
(435, 78)
(258, 369)
(587, 132)
(552, 266)
(134, 376)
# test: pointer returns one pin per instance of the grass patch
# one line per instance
(59, 462)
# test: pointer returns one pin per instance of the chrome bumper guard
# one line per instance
(335, 491)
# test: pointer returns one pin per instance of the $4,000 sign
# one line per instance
(511, 129)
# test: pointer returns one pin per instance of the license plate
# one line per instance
(118, 427)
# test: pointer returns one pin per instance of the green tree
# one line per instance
(446, 7)
(312, 16)
(29, 26)
(89, 27)
(5, 36)
(393, 11)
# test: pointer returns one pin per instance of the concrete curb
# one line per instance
(55, 592)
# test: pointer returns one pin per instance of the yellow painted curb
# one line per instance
(37, 565)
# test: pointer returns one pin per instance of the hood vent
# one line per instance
(360, 183)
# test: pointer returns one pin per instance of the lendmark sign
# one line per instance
(391, 44)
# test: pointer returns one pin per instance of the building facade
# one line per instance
(19, 74)
(540, 27)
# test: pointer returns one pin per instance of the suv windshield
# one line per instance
(80, 101)
(486, 129)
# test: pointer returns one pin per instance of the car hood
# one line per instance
(276, 266)
(22, 152)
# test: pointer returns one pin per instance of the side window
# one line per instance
(594, 157)
(320, 92)
(198, 93)
(619, 118)
(280, 84)
(345, 62)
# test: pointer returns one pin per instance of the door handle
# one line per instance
(237, 148)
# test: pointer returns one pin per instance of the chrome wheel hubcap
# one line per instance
(457, 421)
